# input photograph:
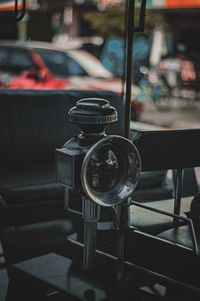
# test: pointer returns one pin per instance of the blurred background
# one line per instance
(79, 44)
(166, 67)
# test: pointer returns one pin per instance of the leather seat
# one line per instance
(25, 241)
(160, 151)
(153, 222)
(180, 235)
(30, 194)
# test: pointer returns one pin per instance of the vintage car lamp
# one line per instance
(103, 168)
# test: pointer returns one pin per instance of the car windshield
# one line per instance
(60, 63)
(15, 60)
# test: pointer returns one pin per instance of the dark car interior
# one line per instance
(30, 196)
(33, 219)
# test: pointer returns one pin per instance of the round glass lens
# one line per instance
(104, 169)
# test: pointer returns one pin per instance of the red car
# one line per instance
(41, 65)
(28, 71)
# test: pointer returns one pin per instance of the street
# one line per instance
(174, 117)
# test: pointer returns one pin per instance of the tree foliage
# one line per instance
(111, 21)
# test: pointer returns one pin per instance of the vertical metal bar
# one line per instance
(120, 260)
(20, 16)
(123, 226)
(142, 15)
(16, 7)
(90, 216)
(178, 193)
(66, 191)
(194, 240)
(130, 10)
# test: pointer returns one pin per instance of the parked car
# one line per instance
(57, 67)
(22, 68)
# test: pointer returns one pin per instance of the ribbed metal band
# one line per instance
(94, 119)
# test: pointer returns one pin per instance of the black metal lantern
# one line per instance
(104, 169)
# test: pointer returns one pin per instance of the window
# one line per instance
(15, 60)
(60, 63)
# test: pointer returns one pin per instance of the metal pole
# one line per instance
(130, 30)
(90, 217)
(178, 193)
(123, 227)
(130, 10)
